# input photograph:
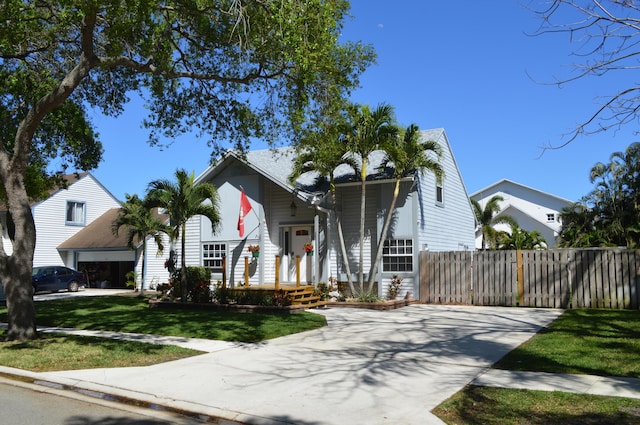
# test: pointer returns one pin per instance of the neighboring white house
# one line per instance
(430, 214)
(73, 228)
(533, 209)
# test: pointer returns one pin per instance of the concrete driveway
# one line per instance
(82, 292)
(366, 367)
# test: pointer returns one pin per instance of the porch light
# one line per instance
(293, 208)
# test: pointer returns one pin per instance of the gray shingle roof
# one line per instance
(277, 163)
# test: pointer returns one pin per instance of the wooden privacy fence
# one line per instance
(559, 278)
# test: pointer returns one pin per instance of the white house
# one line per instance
(430, 214)
(73, 228)
(74, 224)
(533, 209)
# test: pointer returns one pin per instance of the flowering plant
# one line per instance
(308, 247)
(394, 287)
(254, 248)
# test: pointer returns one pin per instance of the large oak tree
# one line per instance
(230, 70)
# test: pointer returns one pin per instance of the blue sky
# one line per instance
(468, 67)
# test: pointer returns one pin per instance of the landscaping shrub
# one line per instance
(198, 284)
(245, 296)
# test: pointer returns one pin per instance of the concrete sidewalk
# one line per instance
(366, 367)
(581, 384)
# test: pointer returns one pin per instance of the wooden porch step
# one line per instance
(311, 304)
(303, 295)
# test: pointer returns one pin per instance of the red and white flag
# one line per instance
(245, 207)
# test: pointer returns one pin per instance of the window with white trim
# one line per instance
(212, 255)
(397, 255)
(439, 190)
(551, 217)
(75, 213)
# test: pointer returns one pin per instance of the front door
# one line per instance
(296, 237)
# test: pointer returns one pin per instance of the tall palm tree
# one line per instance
(367, 131)
(323, 153)
(405, 155)
(141, 224)
(486, 219)
(182, 201)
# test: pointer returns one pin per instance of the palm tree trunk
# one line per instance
(144, 260)
(383, 236)
(363, 177)
(183, 265)
(343, 248)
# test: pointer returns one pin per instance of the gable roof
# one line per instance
(99, 235)
(506, 182)
(276, 165)
(68, 179)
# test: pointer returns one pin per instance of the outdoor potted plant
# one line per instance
(254, 250)
(308, 248)
(394, 287)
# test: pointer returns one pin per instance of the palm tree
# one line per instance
(141, 224)
(367, 131)
(486, 219)
(182, 201)
(323, 153)
(407, 155)
(521, 239)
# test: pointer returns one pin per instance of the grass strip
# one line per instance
(54, 352)
(487, 406)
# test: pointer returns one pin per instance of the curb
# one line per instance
(127, 399)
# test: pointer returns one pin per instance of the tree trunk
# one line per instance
(383, 236)
(343, 248)
(144, 260)
(183, 265)
(15, 270)
(363, 178)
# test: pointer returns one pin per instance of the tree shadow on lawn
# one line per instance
(133, 315)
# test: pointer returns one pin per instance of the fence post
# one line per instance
(520, 274)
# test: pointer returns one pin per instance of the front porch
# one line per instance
(300, 295)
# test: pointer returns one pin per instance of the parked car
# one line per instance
(55, 278)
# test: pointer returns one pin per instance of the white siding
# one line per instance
(527, 205)
(155, 271)
(348, 200)
(50, 215)
(449, 226)
(193, 245)
(4, 234)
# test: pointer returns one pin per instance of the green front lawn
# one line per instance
(132, 314)
(591, 342)
(499, 406)
(597, 342)
(51, 352)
